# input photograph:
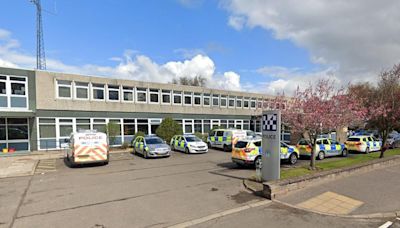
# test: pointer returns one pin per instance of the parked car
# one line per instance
(323, 148)
(249, 151)
(363, 144)
(151, 146)
(225, 138)
(188, 144)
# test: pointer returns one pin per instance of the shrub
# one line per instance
(139, 133)
(125, 145)
(168, 128)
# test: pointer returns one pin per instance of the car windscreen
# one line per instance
(192, 139)
(353, 139)
(154, 141)
(241, 144)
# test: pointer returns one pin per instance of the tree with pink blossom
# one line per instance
(381, 102)
(319, 108)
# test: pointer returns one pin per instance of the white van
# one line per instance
(87, 147)
(225, 138)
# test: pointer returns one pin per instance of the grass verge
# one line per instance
(336, 164)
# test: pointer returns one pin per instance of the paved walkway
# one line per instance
(376, 191)
(25, 164)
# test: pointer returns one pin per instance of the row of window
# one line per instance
(53, 131)
(13, 92)
(116, 93)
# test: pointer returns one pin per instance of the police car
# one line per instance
(324, 147)
(151, 146)
(225, 138)
(363, 143)
(248, 152)
(188, 144)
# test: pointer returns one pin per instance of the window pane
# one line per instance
(47, 131)
(64, 92)
(2, 132)
(129, 129)
(99, 127)
(188, 128)
(18, 102)
(113, 95)
(197, 101)
(197, 128)
(166, 98)
(231, 103)
(83, 127)
(128, 96)
(141, 97)
(65, 130)
(3, 101)
(17, 121)
(143, 128)
(215, 102)
(2, 88)
(82, 93)
(206, 101)
(223, 102)
(154, 98)
(19, 146)
(246, 104)
(238, 103)
(253, 104)
(98, 94)
(143, 121)
(188, 100)
(62, 82)
(177, 99)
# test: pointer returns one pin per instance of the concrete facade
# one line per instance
(51, 116)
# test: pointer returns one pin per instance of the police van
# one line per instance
(87, 147)
(225, 138)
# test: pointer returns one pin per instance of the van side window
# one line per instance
(326, 142)
(212, 133)
(319, 142)
(220, 133)
(258, 143)
(364, 139)
(370, 139)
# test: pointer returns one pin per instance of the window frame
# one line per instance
(251, 102)
(128, 89)
(150, 92)
(197, 95)
(234, 102)
(206, 96)
(164, 92)
(176, 93)
(113, 89)
(239, 99)
(215, 96)
(223, 97)
(95, 86)
(76, 87)
(190, 95)
(246, 99)
(65, 86)
(141, 90)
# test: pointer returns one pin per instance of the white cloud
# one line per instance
(131, 66)
(358, 38)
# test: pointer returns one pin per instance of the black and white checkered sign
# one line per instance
(270, 122)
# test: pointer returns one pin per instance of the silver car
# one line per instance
(151, 146)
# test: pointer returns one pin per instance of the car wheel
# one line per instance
(344, 153)
(145, 154)
(321, 155)
(367, 150)
(293, 159)
(187, 150)
(209, 145)
(258, 162)
(225, 148)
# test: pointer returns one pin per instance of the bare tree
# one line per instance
(191, 81)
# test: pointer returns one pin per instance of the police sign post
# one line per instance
(271, 145)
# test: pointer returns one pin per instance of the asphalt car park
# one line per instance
(129, 192)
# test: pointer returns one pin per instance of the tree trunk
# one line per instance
(384, 146)
(312, 159)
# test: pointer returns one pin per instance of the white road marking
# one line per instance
(220, 214)
(386, 224)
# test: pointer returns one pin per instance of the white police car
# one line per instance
(188, 144)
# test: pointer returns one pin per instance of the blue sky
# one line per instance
(103, 33)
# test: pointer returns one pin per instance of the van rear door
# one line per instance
(90, 147)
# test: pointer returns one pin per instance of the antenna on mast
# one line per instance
(40, 56)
